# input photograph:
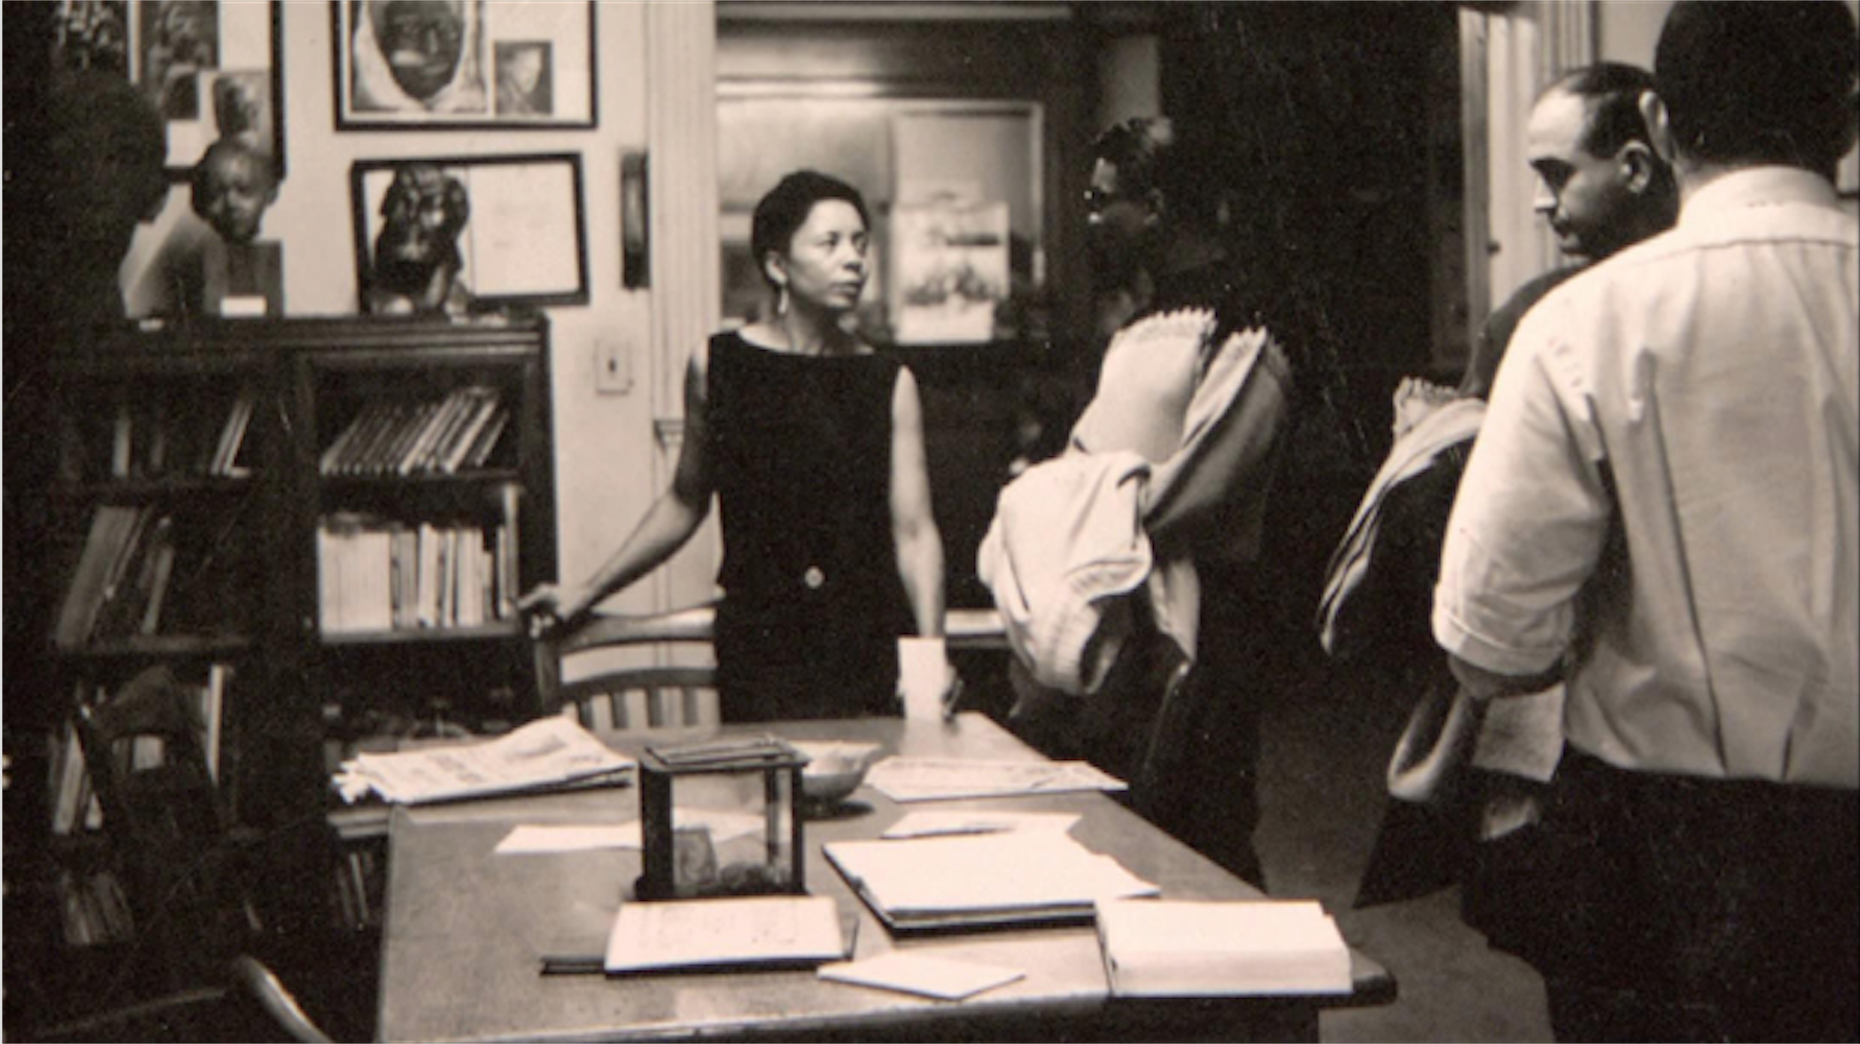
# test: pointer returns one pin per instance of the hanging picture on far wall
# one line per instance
(469, 234)
(408, 64)
(210, 68)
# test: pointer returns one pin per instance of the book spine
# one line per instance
(456, 404)
(248, 409)
(120, 612)
(155, 448)
(336, 453)
(486, 442)
(121, 440)
(232, 436)
(404, 449)
(376, 417)
(329, 579)
(85, 591)
(69, 781)
(158, 595)
(483, 406)
(213, 711)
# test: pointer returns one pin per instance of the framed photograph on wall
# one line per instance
(411, 64)
(212, 68)
(469, 233)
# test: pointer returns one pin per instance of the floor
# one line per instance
(1325, 748)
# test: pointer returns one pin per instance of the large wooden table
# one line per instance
(466, 929)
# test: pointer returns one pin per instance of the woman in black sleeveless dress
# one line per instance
(813, 445)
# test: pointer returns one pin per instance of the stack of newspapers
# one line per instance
(549, 752)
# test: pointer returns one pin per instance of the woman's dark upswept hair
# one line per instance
(783, 211)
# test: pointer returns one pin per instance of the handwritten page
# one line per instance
(718, 933)
(906, 779)
(941, 823)
(939, 977)
(537, 838)
(551, 750)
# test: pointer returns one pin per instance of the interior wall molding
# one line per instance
(686, 260)
(853, 11)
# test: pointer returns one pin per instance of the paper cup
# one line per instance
(922, 677)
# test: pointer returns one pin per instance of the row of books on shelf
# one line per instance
(143, 570)
(361, 878)
(161, 438)
(75, 808)
(122, 578)
(92, 907)
(419, 437)
(380, 575)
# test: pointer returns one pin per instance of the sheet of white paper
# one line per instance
(535, 838)
(926, 976)
(934, 823)
(705, 932)
(933, 779)
(983, 872)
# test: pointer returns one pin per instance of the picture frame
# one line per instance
(509, 64)
(212, 68)
(523, 240)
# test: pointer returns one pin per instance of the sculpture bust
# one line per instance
(233, 185)
(417, 263)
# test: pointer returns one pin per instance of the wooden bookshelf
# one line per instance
(423, 476)
(198, 480)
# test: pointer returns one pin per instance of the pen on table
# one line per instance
(952, 700)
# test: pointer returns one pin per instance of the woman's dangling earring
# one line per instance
(781, 300)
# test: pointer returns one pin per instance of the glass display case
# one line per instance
(721, 817)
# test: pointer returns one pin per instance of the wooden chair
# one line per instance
(630, 698)
(650, 697)
(190, 880)
(180, 866)
(248, 1003)
(262, 986)
(974, 630)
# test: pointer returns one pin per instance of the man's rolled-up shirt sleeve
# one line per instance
(1529, 520)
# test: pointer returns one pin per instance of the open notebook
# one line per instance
(945, 883)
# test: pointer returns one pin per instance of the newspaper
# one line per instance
(547, 752)
(906, 779)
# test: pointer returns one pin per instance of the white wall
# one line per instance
(1130, 83)
(604, 442)
(1628, 31)
(1525, 45)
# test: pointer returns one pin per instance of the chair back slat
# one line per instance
(653, 697)
(627, 699)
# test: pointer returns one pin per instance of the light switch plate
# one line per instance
(613, 366)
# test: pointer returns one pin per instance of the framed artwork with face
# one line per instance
(212, 68)
(410, 64)
(469, 234)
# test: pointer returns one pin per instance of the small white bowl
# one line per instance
(835, 770)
